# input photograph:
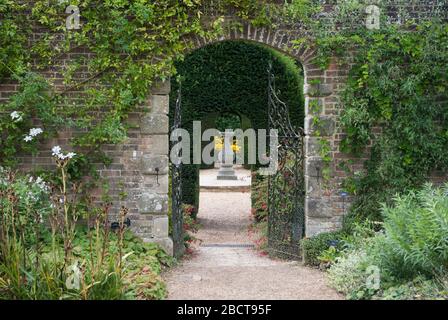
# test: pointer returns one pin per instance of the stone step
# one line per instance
(225, 188)
(227, 245)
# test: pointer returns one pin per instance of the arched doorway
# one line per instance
(248, 81)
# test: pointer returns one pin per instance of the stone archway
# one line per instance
(323, 205)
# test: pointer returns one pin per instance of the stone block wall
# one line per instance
(147, 166)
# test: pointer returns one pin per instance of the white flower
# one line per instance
(70, 155)
(41, 184)
(32, 196)
(16, 116)
(56, 150)
(57, 153)
(28, 138)
(35, 131)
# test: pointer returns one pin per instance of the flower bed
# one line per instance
(46, 253)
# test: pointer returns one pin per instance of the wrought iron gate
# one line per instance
(286, 188)
(176, 185)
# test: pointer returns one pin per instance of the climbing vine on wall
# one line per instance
(394, 105)
(133, 44)
(399, 84)
(13, 38)
(130, 43)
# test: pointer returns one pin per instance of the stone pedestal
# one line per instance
(226, 171)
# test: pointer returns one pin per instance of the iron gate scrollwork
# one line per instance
(286, 187)
(176, 184)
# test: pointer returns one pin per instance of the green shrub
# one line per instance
(142, 278)
(411, 252)
(328, 256)
(418, 289)
(416, 229)
(313, 247)
(18, 115)
(228, 121)
(359, 232)
(348, 275)
(29, 199)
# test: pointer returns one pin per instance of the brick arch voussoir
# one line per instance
(281, 39)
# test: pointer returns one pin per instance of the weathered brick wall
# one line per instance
(138, 173)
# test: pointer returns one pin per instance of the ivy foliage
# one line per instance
(131, 44)
(230, 77)
(398, 87)
(14, 32)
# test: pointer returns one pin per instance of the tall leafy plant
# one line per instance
(416, 229)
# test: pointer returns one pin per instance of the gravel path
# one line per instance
(220, 268)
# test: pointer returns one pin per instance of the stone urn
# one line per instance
(227, 157)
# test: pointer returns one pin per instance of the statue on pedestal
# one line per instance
(227, 158)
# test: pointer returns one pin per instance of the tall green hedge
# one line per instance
(231, 77)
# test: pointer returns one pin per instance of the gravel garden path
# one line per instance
(226, 266)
